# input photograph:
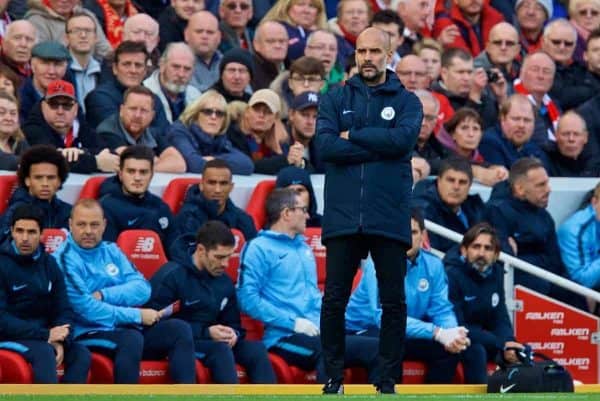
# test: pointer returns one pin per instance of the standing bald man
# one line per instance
(366, 131)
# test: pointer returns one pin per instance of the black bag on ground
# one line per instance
(529, 375)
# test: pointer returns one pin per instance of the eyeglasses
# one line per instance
(79, 31)
(241, 6)
(306, 80)
(500, 42)
(558, 42)
(304, 209)
(410, 73)
(212, 112)
(588, 12)
(55, 105)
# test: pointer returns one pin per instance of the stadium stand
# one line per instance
(91, 188)
(176, 190)
(8, 184)
(256, 203)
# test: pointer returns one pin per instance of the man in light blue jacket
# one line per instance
(579, 242)
(106, 292)
(432, 331)
(278, 286)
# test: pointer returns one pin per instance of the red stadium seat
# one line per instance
(254, 328)
(256, 204)
(175, 192)
(151, 372)
(15, 369)
(144, 249)
(91, 188)
(234, 260)
(285, 373)
(52, 238)
(8, 184)
(414, 373)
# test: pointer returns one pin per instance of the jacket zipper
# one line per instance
(362, 177)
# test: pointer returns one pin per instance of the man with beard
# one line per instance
(476, 288)
(129, 205)
(131, 126)
(366, 132)
(171, 82)
(527, 229)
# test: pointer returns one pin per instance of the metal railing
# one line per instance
(510, 263)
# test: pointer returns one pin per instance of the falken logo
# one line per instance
(507, 388)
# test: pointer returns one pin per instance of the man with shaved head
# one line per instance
(501, 51)
(412, 72)
(569, 90)
(270, 50)
(535, 80)
(143, 28)
(202, 34)
(17, 42)
(367, 130)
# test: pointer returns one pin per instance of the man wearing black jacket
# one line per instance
(446, 201)
(54, 121)
(42, 171)
(210, 200)
(132, 206)
(35, 313)
(209, 305)
(476, 288)
(366, 131)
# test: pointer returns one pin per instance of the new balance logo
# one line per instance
(144, 244)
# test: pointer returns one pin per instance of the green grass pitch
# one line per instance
(403, 397)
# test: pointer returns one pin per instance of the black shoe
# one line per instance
(386, 387)
(333, 387)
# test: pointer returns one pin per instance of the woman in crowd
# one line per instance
(299, 17)
(584, 15)
(462, 136)
(199, 135)
(261, 135)
(12, 139)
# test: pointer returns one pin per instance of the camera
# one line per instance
(492, 76)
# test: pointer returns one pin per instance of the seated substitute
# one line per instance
(41, 173)
(130, 205)
(278, 286)
(209, 200)
(432, 332)
(106, 292)
(446, 201)
(579, 245)
(209, 305)
(35, 314)
(476, 288)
